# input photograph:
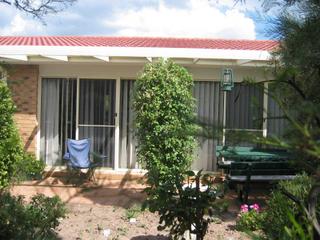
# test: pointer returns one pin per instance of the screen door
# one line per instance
(97, 116)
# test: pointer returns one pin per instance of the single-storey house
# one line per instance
(80, 87)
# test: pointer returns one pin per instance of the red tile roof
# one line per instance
(157, 42)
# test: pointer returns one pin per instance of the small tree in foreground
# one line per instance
(11, 150)
(15, 163)
(165, 109)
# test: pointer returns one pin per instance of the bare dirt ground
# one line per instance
(93, 209)
(88, 222)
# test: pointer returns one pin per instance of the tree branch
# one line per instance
(40, 8)
(5, 1)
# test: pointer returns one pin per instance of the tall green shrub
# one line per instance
(11, 150)
(164, 109)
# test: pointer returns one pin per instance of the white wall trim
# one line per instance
(38, 117)
(57, 57)
(147, 52)
(224, 120)
(77, 108)
(265, 110)
(20, 57)
(103, 58)
(117, 125)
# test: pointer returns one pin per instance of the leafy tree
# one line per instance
(164, 109)
(296, 87)
(296, 83)
(297, 79)
(39, 9)
(11, 150)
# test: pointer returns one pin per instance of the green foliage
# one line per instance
(35, 220)
(220, 206)
(133, 211)
(29, 168)
(296, 85)
(298, 231)
(188, 208)
(15, 163)
(164, 109)
(279, 206)
(250, 221)
(11, 150)
(295, 88)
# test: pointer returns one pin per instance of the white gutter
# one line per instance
(147, 52)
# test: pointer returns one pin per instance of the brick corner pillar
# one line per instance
(23, 82)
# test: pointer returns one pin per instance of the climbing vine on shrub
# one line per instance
(11, 150)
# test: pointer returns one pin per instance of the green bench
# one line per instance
(244, 165)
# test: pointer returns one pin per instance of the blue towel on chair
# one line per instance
(78, 153)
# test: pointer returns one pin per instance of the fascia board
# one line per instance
(253, 55)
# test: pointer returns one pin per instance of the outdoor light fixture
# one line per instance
(227, 79)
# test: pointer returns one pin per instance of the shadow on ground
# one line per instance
(150, 237)
(125, 191)
(122, 192)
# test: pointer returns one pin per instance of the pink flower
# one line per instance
(244, 208)
(255, 207)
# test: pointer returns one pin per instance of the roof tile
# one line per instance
(158, 42)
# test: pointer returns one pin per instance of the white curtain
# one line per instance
(49, 141)
(127, 139)
(57, 118)
(209, 101)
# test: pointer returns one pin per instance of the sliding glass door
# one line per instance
(77, 109)
(97, 116)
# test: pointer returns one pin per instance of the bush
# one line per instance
(28, 168)
(299, 231)
(35, 220)
(11, 150)
(279, 206)
(189, 208)
(165, 110)
(250, 219)
(164, 107)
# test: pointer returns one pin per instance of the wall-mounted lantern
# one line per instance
(227, 80)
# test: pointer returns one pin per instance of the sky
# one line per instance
(155, 18)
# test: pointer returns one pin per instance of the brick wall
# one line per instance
(23, 81)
